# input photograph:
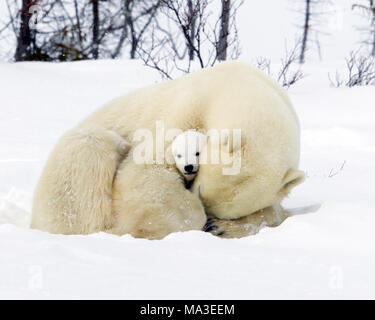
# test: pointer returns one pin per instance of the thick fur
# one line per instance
(74, 194)
(186, 149)
(150, 200)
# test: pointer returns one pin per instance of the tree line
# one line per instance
(166, 34)
(70, 30)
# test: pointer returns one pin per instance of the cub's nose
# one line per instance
(189, 168)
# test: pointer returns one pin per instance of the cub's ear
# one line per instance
(291, 179)
(169, 158)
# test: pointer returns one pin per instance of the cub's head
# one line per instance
(186, 149)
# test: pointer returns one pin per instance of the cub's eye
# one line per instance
(179, 156)
(197, 154)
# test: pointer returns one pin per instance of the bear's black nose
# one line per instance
(189, 168)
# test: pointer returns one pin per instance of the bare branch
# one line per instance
(360, 71)
(190, 28)
(289, 73)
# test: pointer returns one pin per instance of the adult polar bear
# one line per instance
(150, 200)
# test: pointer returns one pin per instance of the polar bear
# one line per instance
(186, 150)
(149, 199)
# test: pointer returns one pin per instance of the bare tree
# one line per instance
(192, 17)
(313, 16)
(306, 29)
(289, 72)
(69, 30)
(369, 11)
(95, 28)
(360, 71)
(189, 27)
(26, 45)
(59, 34)
(140, 16)
(288, 76)
(222, 44)
(175, 10)
(137, 16)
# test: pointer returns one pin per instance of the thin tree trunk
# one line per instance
(134, 47)
(24, 41)
(134, 39)
(124, 33)
(305, 31)
(192, 22)
(78, 23)
(222, 45)
(95, 29)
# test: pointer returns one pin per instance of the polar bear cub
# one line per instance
(186, 149)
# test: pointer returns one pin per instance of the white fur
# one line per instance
(74, 194)
(150, 200)
(186, 149)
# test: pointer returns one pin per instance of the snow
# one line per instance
(325, 254)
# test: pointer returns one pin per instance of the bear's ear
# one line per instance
(291, 179)
(169, 158)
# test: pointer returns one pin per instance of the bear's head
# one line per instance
(186, 149)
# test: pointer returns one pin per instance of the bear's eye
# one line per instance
(179, 156)
(197, 154)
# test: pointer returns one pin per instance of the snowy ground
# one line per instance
(326, 254)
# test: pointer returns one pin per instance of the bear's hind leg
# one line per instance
(248, 225)
(74, 193)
